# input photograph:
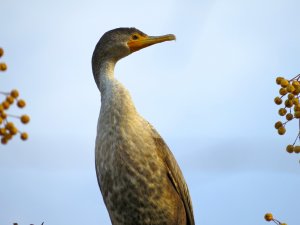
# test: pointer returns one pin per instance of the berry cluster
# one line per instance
(7, 128)
(269, 217)
(3, 66)
(289, 96)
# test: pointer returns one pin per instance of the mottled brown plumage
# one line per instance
(140, 180)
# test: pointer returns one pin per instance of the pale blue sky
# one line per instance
(210, 95)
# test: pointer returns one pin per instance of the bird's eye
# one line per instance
(135, 37)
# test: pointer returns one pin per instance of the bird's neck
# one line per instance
(104, 74)
(115, 98)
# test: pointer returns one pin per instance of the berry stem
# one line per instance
(296, 77)
(10, 115)
(285, 123)
(276, 221)
(296, 138)
(4, 93)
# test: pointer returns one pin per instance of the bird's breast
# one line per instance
(125, 150)
(131, 175)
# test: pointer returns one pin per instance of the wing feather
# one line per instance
(175, 174)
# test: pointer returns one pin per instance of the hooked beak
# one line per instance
(145, 41)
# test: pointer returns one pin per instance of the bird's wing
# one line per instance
(175, 174)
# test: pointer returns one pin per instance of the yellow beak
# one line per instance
(145, 41)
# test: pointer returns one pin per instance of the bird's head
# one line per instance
(118, 43)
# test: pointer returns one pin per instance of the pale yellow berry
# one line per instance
(3, 67)
(8, 136)
(2, 131)
(10, 99)
(13, 131)
(24, 136)
(25, 119)
(297, 114)
(9, 125)
(296, 83)
(284, 83)
(281, 130)
(5, 104)
(291, 96)
(297, 90)
(21, 103)
(278, 100)
(3, 115)
(268, 217)
(283, 91)
(14, 93)
(289, 116)
(282, 111)
(278, 80)
(4, 140)
(297, 107)
(11, 128)
(290, 88)
(288, 103)
(297, 149)
(290, 148)
(295, 101)
(278, 124)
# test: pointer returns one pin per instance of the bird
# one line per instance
(140, 181)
